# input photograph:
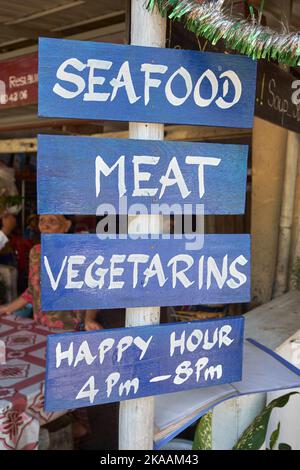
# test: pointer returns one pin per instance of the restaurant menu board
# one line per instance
(89, 80)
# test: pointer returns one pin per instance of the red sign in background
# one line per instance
(19, 81)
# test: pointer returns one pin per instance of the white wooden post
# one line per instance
(136, 421)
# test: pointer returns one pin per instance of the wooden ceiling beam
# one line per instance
(180, 133)
(49, 11)
(104, 26)
(24, 32)
(109, 17)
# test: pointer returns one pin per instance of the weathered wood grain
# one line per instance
(77, 284)
(200, 85)
(153, 359)
(67, 175)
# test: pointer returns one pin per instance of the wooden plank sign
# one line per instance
(277, 96)
(83, 271)
(91, 368)
(91, 80)
(77, 174)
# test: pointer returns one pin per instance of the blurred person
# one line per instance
(67, 320)
(90, 321)
(32, 229)
(8, 224)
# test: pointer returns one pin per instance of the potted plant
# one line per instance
(254, 435)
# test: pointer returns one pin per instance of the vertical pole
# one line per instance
(136, 419)
(289, 187)
(287, 212)
(23, 194)
(296, 255)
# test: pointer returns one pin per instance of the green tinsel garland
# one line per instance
(211, 20)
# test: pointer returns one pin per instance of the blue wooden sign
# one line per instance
(83, 271)
(91, 368)
(77, 174)
(92, 80)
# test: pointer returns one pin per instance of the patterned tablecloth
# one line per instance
(22, 371)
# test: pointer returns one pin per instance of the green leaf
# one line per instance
(254, 436)
(203, 434)
(283, 446)
(274, 437)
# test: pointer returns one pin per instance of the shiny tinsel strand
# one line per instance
(211, 20)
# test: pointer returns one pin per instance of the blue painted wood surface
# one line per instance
(69, 174)
(72, 272)
(154, 359)
(191, 87)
